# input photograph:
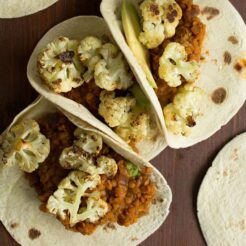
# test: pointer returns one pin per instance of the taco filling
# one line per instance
(78, 178)
(94, 73)
(167, 37)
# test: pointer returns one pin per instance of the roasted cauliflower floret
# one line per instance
(160, 19)
(172, 16)
(115, 110)
(96, 208)
(59, 66)
(104, 63)
(174, 66)
(88, 51)
(76, 158)
(90, 142)
(136, 128)
(181, 115)
(112, 72)
(66, 200)
(188, 101)
(88, 48)
(107, 166)
(24, 146)
(175, 124)
(109, 51)
(153, 29)
(82, 155)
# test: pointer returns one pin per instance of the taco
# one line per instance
(78, 67)
(221, 199)
(19, 8)
(60, 182)
(189, 57)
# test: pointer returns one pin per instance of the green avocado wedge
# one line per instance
(142, 101)
(132, 29)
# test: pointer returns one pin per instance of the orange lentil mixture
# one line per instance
(128, 198)
(190, 33)
(88, 95)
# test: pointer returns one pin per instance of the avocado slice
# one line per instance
(141, 99)
(132, 29)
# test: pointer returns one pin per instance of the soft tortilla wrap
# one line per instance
(78, 28)
(19, 204)
(215, 72)
(18, 8)
(221, 200)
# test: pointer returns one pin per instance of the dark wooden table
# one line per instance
(183, 169)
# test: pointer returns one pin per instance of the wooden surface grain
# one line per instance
(184, 169)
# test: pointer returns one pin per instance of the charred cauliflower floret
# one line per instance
(76, 158)
(174, 122)
(88, 48)
(136, 128)
(90, 142)
(153, 29)
(181, 115)
(24, 146)
(107, 166)
(82, 155)
(66, 200)
(112, 72)
(115, 110)
(109, 51)
(174, 66)
(88, 51)
(160, 19)
(59, 66)
(104, 63)
(172, 15)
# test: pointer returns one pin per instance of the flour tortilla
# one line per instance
(18, 8)
(214, 72)
(221, 202)
(19, 204)
(78, 28)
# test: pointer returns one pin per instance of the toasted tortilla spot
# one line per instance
(210, 12)
(154, 9)
(110, 226)
(14, 225)
(225, 173)
(240, 66)
(219, 95)
(233, 40)
(134, 239)
(154, 202)
(242, 225)
(227, 58)
(202, 58)
(234, 156)
(190, 121)
(34, 233)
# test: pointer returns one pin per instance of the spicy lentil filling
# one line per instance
(88, 95)
(128, 197)
(190, 33)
